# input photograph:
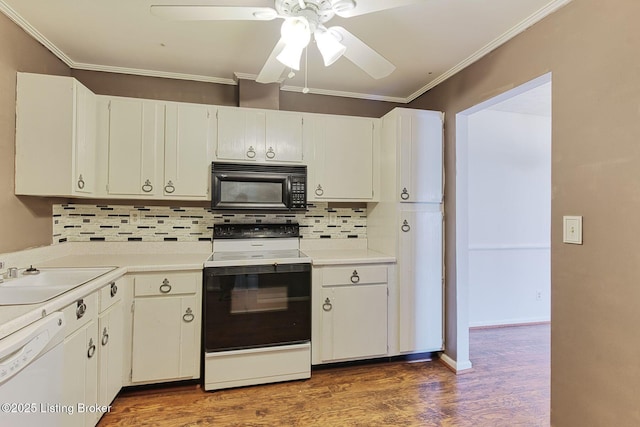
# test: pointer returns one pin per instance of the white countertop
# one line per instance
(347, 256)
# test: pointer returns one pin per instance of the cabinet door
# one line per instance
(81, 374)
(343, 158)
(283, 137)
(85, 139)
(165, 339)
(186, 154)
(241, 134)
(420, 279)
(354, 321)
(420, 145)
(110, 358)
(136, 135)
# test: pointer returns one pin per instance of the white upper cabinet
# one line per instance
(188, 131)
(55, 132)
(135, 140)
(248, 134)
(418, 135)
(284, 139)
(344, 154)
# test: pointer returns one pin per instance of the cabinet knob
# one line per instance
(81, 309)
(105, 337)
(114, 289)
(251, 152)
(80, 182)
(92, 349)
(188, 316)
(354, 277)
(327, 306)
(165, 288)
(147, 187)
(169, 188)
(405, 226)
(270, 153)
(405, 194)
(319, 190)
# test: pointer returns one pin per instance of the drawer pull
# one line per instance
(165, 288)
(80, 182)
(319, 190)
(251, 152)
(354, 277)
(114, 289)
(81, 309)
(169, 188)
(405, 226)
(327, 306)
(188, 316)
(92, 349)
(405, 194)
(105, 337)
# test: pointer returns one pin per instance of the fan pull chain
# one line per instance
(306, 69)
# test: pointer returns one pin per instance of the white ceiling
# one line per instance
(536, 101)
(427, 41)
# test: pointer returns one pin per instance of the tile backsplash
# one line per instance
(113, 223)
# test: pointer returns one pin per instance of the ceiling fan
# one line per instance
(302, 18)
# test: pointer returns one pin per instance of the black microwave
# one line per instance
(245, 186)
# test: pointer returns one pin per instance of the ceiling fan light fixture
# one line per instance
(330, 48)
(290, 56)
(295, 31)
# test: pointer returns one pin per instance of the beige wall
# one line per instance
(592, 48)
(24, 221)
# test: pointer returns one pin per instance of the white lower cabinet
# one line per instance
(166, 327)
(349, 312)
(80, 383)
(111, 337)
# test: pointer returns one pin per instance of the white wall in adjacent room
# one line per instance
(509, 200)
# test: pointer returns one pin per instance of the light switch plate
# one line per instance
(572, 229)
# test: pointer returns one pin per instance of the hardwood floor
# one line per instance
(508, 386)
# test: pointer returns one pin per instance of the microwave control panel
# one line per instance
(298, 192)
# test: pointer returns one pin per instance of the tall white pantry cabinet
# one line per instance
(408, 222)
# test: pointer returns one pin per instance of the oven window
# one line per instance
(252, 192)
(256, 306)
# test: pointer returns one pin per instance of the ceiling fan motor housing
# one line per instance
(316, 12)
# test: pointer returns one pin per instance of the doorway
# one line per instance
(503, 199)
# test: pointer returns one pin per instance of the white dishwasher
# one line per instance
(31, 365)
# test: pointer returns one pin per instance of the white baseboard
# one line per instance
(456, 366)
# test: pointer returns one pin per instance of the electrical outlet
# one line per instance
(538, 295)
(134, 217)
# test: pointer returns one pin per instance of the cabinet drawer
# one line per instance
(80, 312)
(354, 274)
(109, 295)
(166, 284)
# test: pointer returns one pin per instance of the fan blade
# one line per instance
(370, 6)
(214, 13)
(272, 69)
(362, 55)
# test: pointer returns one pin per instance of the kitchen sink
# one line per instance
(45, 284)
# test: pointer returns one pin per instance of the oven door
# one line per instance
(256, 306)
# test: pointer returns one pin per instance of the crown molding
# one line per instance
(152, 73)
(345, 94)
(33, 32)
(505, 37)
